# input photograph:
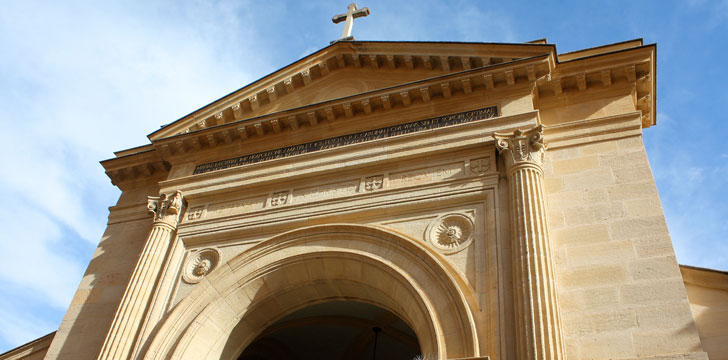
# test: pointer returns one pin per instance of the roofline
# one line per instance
(722, 272)
(403, 85)
(641, 40)
(553, 46)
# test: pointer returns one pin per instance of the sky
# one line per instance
(79, 80)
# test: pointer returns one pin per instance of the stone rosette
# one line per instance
(450, 233)
(199, 265)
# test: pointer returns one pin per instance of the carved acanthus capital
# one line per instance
(523, 147)
(166, 208)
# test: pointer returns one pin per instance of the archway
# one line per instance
(336, 330)
(230, 308)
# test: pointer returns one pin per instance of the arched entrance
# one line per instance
(234, 304)
(336, 330)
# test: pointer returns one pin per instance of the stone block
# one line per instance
(591, 299)
(648, 343)
(588, 179)
(653, 292)
(575, 165)
(636, 173)
(632, 191)
(607, 346)
(581, 235)
(653, 246)
(611, 252)
(593, 276)
(638, 228)
(598, 323)
(552, 185)
(593, 213)
(624, 159)
(643, 207)
(664, 267)
(674, 316)
(598, 148)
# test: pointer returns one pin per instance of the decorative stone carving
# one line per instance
(165, 208)
(480, 166)
(521, 147)
(199, 265)
(450, 233)
(279, 198)
(195, 213)
(373, 183)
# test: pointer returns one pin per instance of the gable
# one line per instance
(345, 69)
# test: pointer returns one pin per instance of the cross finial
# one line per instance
(351, 14)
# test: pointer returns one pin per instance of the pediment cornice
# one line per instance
(430, 58)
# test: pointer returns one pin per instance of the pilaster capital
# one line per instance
(522, 148)
(166, 209)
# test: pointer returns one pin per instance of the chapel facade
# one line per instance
(381, 199)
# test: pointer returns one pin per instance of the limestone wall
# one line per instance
(621, 291)
(708, 294)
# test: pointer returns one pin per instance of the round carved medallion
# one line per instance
(450, 233)
(200, 264)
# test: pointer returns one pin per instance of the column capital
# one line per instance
(165, 208)
(522, 147)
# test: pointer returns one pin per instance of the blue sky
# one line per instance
(79, 80)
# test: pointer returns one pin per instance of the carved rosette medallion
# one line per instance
(450, 233)
(199, 265)
(523, 147)
(166, 208)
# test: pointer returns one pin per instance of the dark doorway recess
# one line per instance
(336, 330)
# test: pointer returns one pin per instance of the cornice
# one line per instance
(435, 57)
(634, 67)
(593, 130)
(517, 75)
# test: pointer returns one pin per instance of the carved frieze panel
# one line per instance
(374, 183)
(335, 190)
(425, 175)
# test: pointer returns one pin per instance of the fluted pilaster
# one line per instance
(136, 301)
(537, 309)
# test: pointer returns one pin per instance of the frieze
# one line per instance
(325, 191)
(236, 207)
(426, 175)
(360, 137)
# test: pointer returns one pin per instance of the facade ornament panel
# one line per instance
(373, 183)
(450, 233)
(200, 264)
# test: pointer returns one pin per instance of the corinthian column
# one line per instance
(537, 308)
(137, 298)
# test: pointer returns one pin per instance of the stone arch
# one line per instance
(240, 298)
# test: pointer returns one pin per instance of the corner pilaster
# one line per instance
(538, 328)
(119, 343)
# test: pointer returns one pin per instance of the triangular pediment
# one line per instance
(345, 69)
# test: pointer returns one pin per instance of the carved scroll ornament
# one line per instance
(521, 147)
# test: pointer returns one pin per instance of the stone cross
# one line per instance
(350, 15)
